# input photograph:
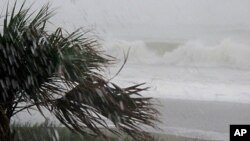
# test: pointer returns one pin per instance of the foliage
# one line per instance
(61, 72)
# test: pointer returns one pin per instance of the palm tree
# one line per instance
(61, 72)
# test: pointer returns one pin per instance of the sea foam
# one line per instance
(226, 53)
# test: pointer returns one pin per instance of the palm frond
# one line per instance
(89, 102)
(63, 73)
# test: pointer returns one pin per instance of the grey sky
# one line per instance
(222, 12)
(154, 17)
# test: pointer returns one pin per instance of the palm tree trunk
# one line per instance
(5, 132)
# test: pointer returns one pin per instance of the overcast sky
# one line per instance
(215, 12)
(155, 11)
(150, 13)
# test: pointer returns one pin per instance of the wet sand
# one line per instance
(187, 120)
(201, 119)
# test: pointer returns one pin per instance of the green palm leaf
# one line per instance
(62, 72)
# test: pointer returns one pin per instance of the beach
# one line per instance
(196, 102)
(202, 119)
(199, 95)
(189, 120)
(193, 56)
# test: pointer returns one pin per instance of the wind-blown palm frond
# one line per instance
(62, 72)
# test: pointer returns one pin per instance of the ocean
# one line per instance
(188, 52)
(191, 70)
(202, 87)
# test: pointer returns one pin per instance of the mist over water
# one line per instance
(179, 33)
(183, 49)
(161, 20)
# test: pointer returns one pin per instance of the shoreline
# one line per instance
(186, 120)
(201, 119)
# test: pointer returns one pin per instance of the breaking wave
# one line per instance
(226, 53)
